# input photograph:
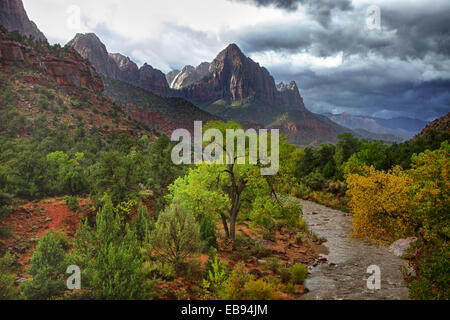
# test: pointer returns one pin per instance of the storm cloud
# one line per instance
(340, 65)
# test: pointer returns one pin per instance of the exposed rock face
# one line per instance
(153, 80)
(171, 76)
(119, 67)
(70, 71)
(233, 77)
(91, 48)
(289, 94)
(189, 75)
(129, 71)
(14, 18)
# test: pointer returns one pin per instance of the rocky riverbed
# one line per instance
(344, 275)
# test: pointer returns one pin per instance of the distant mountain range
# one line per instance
(401, 127)
(231, 87)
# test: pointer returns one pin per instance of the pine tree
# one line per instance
(112, 256)
(48, 267)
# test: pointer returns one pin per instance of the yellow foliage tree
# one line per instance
(381, 204)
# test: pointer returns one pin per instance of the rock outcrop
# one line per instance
(129, 71)
(233, 77)
(71, 70)
(153, 80)
(440, 125)
(91, 48)
(14, 18)
(289, 94)
(170, 76)
(190, 75)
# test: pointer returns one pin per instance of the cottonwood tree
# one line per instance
(226, 190)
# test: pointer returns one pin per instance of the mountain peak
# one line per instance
(90, 47)
(233, 47)
(233, 51)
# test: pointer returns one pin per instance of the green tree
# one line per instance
(112, 255)
(48, 267)
(143, 225)
(225, 190)
(117, 175)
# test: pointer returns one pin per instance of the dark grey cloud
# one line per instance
(407, 33)
(320, 9)
(384, 89)
(401, 70)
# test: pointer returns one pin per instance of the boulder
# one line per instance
(399, 248)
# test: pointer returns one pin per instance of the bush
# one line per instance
(176, 236)
(298, 273)
(315, 180)
(285, 275)
(299, 238)
(433, 277)
(72, 203)
(259, 290)
(236, 283)
(7, 289)
(208, 231)
(217, 277)
(142, 224)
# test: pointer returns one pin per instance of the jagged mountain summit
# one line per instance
(235, 78)
(118, 67)
(14, 18)
(231, 87)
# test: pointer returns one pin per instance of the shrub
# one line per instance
(142, 224)
(72, 203)
(299, 238)
(298, 273)
(176, 236)
(217, 277)
(236, 283)
(208, 231)
(433, 277)
(315, 180)
(7, 289)
(285, 275)
(380, 203)
(259, 290)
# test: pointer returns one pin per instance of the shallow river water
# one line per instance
(344, 275)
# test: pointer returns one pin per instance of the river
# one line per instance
(343, 276)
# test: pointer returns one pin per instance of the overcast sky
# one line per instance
(339, 58)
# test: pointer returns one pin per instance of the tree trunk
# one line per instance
(225, 225)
